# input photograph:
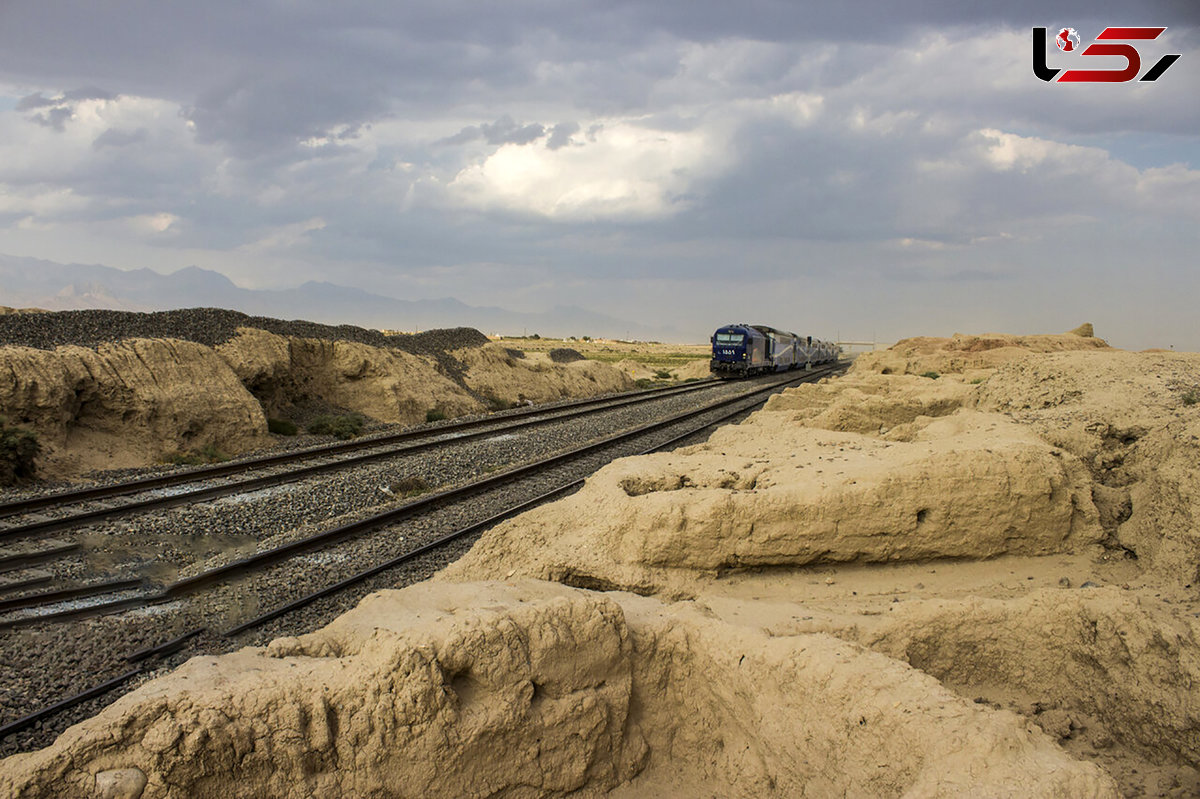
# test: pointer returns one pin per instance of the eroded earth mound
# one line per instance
(140, 400)
(532, 689)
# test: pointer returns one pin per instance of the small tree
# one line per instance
(18, 449)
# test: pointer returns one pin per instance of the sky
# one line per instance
(858, 170)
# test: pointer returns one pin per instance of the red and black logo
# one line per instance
(1068, 42)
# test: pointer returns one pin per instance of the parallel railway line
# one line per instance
(238, 580)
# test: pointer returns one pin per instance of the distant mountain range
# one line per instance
(33, 282)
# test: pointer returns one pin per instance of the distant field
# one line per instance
(653, 355)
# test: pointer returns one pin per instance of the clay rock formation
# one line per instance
(961, 353)
(866, 402)
(1101, 653)
(537, 690)
(776, 494)
(131, 403)
(1125, 416)
(128, 403)
(492, 372)
(385, 384)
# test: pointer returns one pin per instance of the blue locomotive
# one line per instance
(742, 350)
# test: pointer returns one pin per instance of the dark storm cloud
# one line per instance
(278, 91)
(560, 134)
(34, 101)
(56, 117)
(259, 75)
(503, 131)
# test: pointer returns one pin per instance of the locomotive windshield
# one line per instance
(729, 338)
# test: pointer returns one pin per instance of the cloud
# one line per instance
(629, 171)
(560, 134)
(588, 147)
(119, 138)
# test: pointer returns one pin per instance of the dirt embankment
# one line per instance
(981, 583)
(137, 401)
(531, 689)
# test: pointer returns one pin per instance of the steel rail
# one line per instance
(177, 643)
(254, 483)
(283, 552)
(18, 507)
(21, 560)
(63, 594)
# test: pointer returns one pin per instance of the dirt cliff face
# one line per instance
(134, 402)
(536, 690)
(764, 494)
(968, 354)
(384, 384)
(128, 403)
(494, 374)
(865, 506)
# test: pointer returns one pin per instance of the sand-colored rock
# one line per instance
(969, 485)
(866, 402)
(385, 384)
(635, 370)
(126, 404)
(1124, 415)
(1105, 653)
(493, 373)
(533, 690)
(964, 354)
(692, 370)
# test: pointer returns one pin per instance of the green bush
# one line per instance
(341, 427)
(644, 382)
(931, 375)
(18, 449)
(198, 457)
(977, 381)
(1191, 397)
(662, 374)
(282, 427)
(435, 415)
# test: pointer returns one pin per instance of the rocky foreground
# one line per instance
(968, 568)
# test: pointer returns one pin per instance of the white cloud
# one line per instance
(627, 171)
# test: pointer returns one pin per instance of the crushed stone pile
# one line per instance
(208, 326)
(565, 355)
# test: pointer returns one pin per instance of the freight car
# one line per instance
(741, 350)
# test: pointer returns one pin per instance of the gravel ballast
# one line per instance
(41, 664)
(208, 326)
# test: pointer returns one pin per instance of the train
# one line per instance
(741, 350)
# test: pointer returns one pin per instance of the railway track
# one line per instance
(237, 580)
(378, 448)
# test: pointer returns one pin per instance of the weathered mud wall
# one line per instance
(493, 373)
(134, 402)
(970, 485)
(386, 384)
(126, 404)
(537, 690)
